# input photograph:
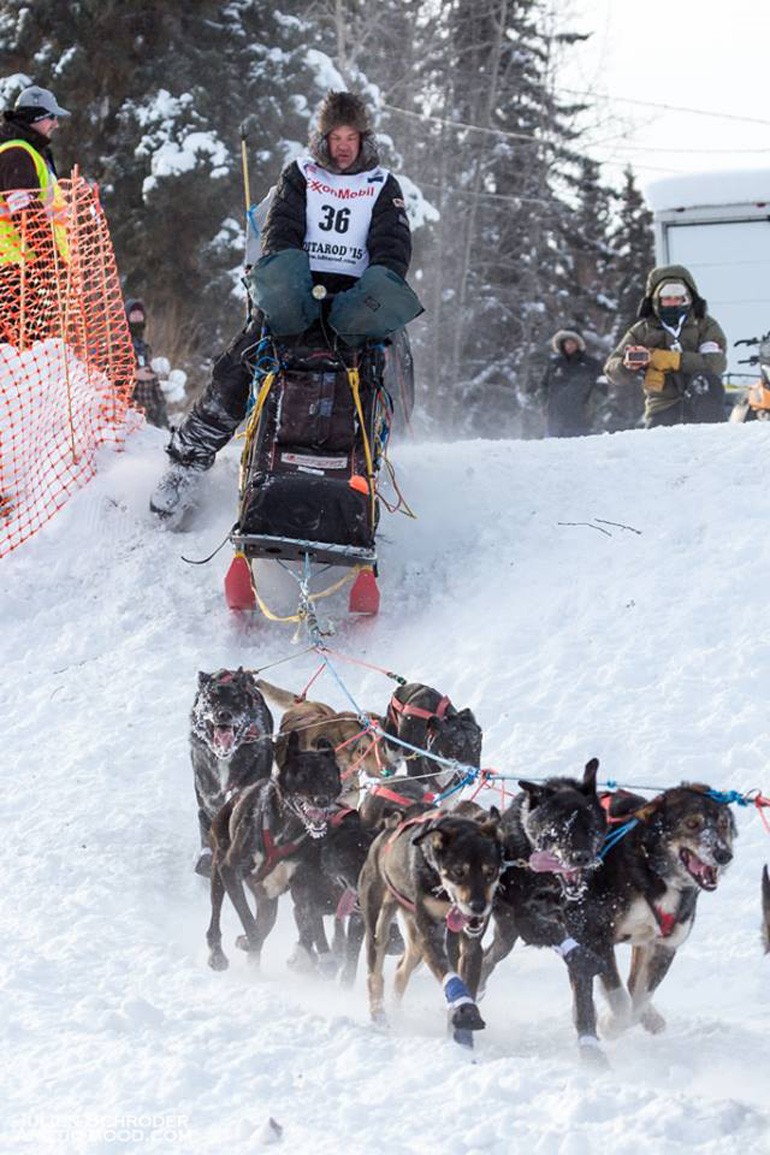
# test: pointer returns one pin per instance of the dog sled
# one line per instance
(314, 440)
(317, 431)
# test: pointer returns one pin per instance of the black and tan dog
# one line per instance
(671, 849)
(427, 720)
(358, 750)
(553, 833)
(326, 884)
(440, 872)
(231, 745)
(262, 835)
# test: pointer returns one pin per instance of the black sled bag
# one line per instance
(306, 476)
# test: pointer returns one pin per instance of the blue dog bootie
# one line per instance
(464, 1016)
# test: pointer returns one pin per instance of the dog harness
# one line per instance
(454, 917)
(665, 920)
(397, 707)
(274, 852)
(400, 799)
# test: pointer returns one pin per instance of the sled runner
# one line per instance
(307, 493)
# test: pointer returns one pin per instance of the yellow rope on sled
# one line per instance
(259, 405)
(298, 617)
(354, 380)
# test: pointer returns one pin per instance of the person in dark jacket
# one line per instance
(675, 350)
(33, 237)
(147, 391)
(336, 218)
(567, 386)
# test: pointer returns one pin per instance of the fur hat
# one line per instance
(342, 108)
(558, 339)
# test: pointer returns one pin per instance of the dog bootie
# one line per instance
(464, 1016)
(175, 492)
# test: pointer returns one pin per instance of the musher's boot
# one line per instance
(175, 492)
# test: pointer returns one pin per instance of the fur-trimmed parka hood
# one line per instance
(558, 339)
(337, 110)
(656, 277)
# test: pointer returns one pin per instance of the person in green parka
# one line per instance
(675, 351)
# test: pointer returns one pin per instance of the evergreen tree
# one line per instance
(517, 238)
(632, 239)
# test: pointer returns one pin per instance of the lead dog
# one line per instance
(672, 848)
(440, 872)
(231, 746)
(357, 749)
(261, 836)
(553, 833)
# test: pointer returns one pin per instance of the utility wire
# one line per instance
(669, 107)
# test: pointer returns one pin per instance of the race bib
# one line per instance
(339, 213)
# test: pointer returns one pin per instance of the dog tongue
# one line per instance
(223, 736)
(542, 861)
(455, 919)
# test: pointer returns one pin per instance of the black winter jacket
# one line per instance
(566, 390)
(17, 169)
(389, 241)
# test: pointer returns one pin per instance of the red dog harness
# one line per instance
(454, 918)
(398, 707)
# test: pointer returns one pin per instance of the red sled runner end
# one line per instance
(364, 594)
(239, 592)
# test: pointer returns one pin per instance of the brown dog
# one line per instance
(440, 872)
(356, 749)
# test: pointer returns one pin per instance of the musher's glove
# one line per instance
(665, 359)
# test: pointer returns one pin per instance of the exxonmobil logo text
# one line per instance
(345, 194)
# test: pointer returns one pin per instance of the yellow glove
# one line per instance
(665, 359)
(655, 379)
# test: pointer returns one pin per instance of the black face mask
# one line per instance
(670, 314)
(136, 328)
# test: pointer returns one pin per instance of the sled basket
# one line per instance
(309, 465)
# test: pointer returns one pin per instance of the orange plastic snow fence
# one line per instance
(66, 360)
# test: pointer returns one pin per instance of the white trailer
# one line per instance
(717, 224)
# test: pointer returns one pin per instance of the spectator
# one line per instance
(33, 233)
(676, 351)
(148, 394)
(568, 385)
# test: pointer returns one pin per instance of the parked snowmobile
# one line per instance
(755, 404)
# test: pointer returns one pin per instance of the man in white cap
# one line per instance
(675, 350)
(30, 219)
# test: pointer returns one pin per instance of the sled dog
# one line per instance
(231, 745)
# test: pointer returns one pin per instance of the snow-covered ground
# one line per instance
(605, 596)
